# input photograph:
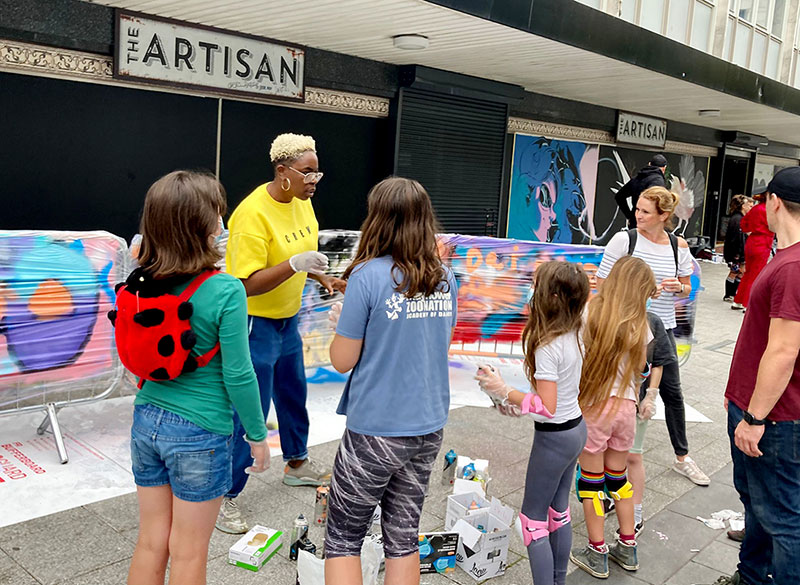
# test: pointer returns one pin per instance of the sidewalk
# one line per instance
(93, 544)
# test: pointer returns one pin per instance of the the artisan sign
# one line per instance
(635, 129)
(157, 50)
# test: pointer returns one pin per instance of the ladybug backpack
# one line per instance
(151, 327)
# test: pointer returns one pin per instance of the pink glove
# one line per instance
(532, 403)
(647, 407)
(491, 382)
(260, 453)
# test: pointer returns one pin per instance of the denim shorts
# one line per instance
(167, 449)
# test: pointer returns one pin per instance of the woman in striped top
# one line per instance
(653, 210)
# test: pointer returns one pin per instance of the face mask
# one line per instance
(218, 237)
(529, 295)
(647, 304)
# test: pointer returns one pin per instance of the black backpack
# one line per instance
(633, 235)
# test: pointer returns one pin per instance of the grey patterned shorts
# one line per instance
(390, 471)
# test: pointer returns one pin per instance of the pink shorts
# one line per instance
(612, 432)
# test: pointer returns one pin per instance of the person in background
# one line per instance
(763, 402)
(757, 249)
(733, 251)
(182, 428)
(272, 248)
(653, 175)
(394, 333)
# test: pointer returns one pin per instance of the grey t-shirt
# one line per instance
(400, 385)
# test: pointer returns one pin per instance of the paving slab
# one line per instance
(12, 573)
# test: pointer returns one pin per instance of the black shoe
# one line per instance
(637, 530)
(608, 506)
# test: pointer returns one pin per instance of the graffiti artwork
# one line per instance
(494, 282)
(55, 288)
(552, 187)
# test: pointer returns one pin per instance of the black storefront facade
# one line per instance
(80, 147)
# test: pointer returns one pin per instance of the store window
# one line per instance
(686, 21)
(753, 34)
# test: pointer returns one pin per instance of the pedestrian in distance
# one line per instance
(183, 427)
(393, 334)
(757, 249)
(653, 175)
(733, 251)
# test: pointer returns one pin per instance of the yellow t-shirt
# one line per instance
(264, 233)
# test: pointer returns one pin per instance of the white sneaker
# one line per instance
(688, 468)
(230, 518)
(737, 306)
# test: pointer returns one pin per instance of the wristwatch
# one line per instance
(751, 420)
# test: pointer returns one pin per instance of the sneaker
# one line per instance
(609, 506)
(727, 299)
(734, 579)
(737, 535)
(591, 560)
(737, 306)
(230, 518)
(637, 530)
(625, 555)
(308, 473)
(688, 468)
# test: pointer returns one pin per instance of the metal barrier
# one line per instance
(56, 345)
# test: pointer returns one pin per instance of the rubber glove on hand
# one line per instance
(311, 261)
(259, 450)
(508, 409)
(647, 407)
(333, 315)
(491, 382)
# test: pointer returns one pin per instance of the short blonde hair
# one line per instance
(289, 147)
(665, 200)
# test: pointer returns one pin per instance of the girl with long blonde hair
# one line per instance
(616, 335)
(553, 359)
(394, 333)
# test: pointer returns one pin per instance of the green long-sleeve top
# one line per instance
(204, 396)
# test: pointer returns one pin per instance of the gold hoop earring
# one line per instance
(288, 184)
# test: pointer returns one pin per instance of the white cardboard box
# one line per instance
(461, 506)
(484, 536)
(255, 548)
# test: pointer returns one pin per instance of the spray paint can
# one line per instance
(449, 471)
(299, 533)
(321, 506)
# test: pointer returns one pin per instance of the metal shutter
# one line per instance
(454, 146)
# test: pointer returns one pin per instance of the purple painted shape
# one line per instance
(37, 345)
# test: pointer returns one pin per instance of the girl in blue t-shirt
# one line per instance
(553, 361)
(394, 333)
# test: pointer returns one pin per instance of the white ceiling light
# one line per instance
(410, 42)
(708, 113)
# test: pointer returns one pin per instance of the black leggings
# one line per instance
(672, 395)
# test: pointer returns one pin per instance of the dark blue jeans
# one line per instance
(277, 353)
(769, 487)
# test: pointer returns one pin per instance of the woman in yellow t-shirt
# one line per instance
(272, 248)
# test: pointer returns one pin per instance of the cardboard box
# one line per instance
(255, 548)
(484, 536)
(437, 552)
(463, 505)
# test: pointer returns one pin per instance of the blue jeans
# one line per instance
(769, 487)
(168, 449)
(277, 353)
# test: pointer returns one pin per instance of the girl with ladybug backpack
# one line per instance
(189, 324)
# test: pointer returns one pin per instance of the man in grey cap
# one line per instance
(763, 403)
(650, 176)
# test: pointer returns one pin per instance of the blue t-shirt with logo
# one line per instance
(400, 385)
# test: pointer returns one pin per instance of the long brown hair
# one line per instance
(560, 292)
(181, 212)
(615, 335)
(401, 223)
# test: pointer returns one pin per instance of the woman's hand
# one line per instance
(491, 382)
(672, 285)
(333, 315)
(259, 450)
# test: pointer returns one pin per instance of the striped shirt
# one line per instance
(662, 261)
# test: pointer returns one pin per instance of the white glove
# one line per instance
(647, 407)
(508, 409)
(311, 261)
(260, 453)
(491, 382)
(333, 315)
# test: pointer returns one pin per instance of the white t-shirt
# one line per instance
(660, 259)
(560, 361)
